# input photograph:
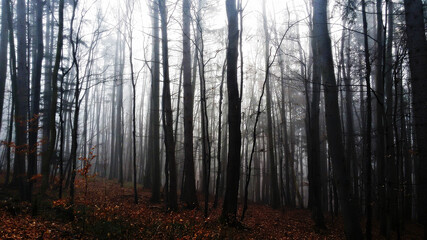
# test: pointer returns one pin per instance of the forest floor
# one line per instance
(107, 211)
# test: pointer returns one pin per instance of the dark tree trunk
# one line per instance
(13, 76)
(368, 165)
(73, 153)
(167, 113)
(380, 136)
(52, 135)
(417, 45)
(3, 54)
(274, 191)
(53, 101)
(314, 135)
(113, 160)
(35, 95)
(333, 123)
(21, 100)
(229, 210)
(155, 110)
(119, 115)
(189, 188)
(218, 175)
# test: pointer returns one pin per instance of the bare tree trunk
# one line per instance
(73, 153)
(35, 96)
(392, 164)
(155, 110)
(333, 122)
(368, 165)
(417, 46)
(314, 135)
(218, 175)
(229, 210)
(54, 98)
(275, 194)
(167, 113)
(9, 139)
(3, 54)
(129, 11)
(113, 160)
(13, 76)
(119, 115)
(47, 94)
(189, 185)
(21, 110)
(350, 144)
(380, 136)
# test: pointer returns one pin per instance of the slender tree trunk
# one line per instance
(35, 95)
(73, 153)
(52, 131)
(167, 113)
(368, 165)
(218, 175)
(380, 136)
(3, 54)
(275, 194)
(133, 82)
(206, 146)
(155, 110)
(113, 160)
(392, 164)
(13, 76)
